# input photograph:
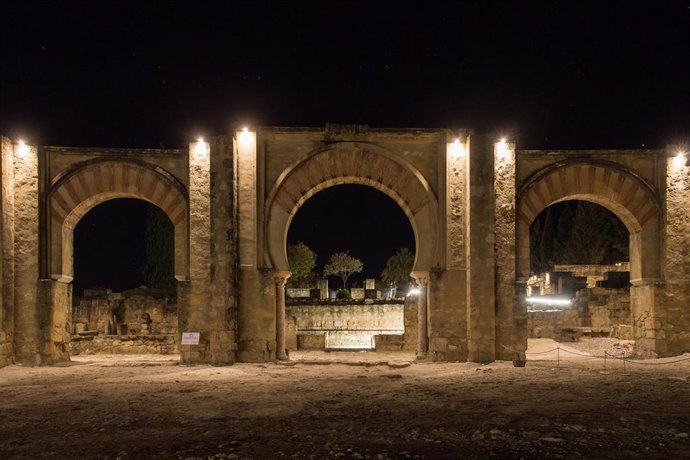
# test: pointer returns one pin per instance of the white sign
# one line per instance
(190, 338)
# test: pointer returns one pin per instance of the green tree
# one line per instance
(159, 258)
(548, 235)
(597, 236)
(302, 261)
(398, 267)
(535, 233)
(343, 265)
(563, 228)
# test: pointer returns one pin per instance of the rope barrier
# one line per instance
(604, 357)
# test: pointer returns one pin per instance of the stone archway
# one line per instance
(623, 193)
(353, 163)
(87, 186)
(76, 193)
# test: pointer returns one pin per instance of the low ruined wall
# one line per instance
(139, 311)
(309, 324)
(124, 344)
(600, 311)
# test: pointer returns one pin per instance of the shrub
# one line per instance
(342, 294)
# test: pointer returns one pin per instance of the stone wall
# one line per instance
(137, 311)
(6, 252)
(241, 196)
(208, 299)
(597, 311)
(674, 297)
(165, 344)
(309, 323)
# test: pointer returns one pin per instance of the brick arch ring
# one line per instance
(353, 163)
(625, 194)
(74, 194)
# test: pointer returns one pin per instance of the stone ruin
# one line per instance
(141, 320)
(600, 305)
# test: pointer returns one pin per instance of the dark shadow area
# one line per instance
(123, 244)
(577, 232)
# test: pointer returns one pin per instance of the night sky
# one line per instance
(546, 74)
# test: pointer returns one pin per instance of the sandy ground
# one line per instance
(349, 405)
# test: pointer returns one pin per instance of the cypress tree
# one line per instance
(159, 260)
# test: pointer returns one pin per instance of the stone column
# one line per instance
(422, 279)
(29, 338)
(670, 327)
(481, 311)
(280, 278)
(194, 295)
(6, 252)
(256, 315)
(511, 330)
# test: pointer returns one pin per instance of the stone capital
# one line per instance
(421, 277)
(280, 278)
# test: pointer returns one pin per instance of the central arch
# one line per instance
(353, 163)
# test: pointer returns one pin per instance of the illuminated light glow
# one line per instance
(679, 160)
(22, 148)
(246, 137)
(457, 149)
(201, 148)
(549, 300)
(412, 292)
(502, 148)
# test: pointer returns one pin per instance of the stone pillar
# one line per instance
(257, 315)
(194, 294)
(31, 326)
(280, 278)
(447, 294)
(7, 252)
(422, 279)
(511, 325)
(481, 304)
(671, 299)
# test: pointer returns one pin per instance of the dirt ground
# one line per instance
(349, 405)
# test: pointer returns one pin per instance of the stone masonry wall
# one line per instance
(223, 302)
(126, 345)
(7, 252)
(393, 324)
(510, 313)
(599, 311)
(448, 288)
(138, 311)
(31, 327)
(672, 299)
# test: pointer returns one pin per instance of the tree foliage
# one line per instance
(343, 265)
(302, 261)
(159, 260)
(396, 273)
(577, 232)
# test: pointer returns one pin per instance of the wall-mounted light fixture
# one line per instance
(22, 149)
(456, 148)
(680, 160)
(502, 149)
(246, 137)
(201, 147)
